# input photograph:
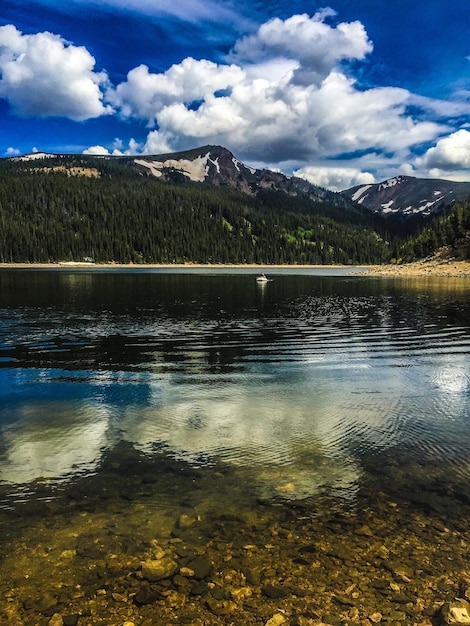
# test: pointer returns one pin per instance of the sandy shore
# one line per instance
(261, 268)
(435, 267)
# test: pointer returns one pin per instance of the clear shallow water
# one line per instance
(310, 434)
(302, 383)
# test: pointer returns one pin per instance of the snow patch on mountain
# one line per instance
(215, 163)
(358, 196)
(427, 204)
(195, 169)
(391, 182)
(155, 167)
(238, 163)
(33, 156)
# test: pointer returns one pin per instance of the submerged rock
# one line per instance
(457, 612)
(273, 592)
(375, 617)
(147, 595)
(220, 607)
(46, 603)
(253, 575)
(186, 521)
(159, 569)
(199, 588)
(201, 567)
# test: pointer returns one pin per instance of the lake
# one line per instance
(297, 448)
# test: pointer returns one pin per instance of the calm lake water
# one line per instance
(202, 393)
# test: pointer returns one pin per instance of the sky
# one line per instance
(341, 93)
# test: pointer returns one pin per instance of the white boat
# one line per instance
(261, 279)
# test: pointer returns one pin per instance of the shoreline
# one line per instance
(188, 266)
(433, 267)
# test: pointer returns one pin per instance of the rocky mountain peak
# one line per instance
(406, 196)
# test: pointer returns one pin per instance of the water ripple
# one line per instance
(299, 390)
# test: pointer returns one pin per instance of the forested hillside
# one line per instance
(75, 208)
(451, 230)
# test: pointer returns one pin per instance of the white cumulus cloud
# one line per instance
(335, 178)
(43, 75)
(450, 152)
(316, 46)
(97, 151)
(157, 143)
(118, 149)
(145, 94)
(263, 120)
(449, 158)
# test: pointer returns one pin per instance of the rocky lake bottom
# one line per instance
(152, 540)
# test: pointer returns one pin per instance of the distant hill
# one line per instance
(405, 198)
(200, 205)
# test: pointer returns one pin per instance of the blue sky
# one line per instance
(340, 92)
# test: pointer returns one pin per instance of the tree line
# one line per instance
(48, 215)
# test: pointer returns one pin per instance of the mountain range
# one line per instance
(396, 199)
(207, 165)
(202, 205)
(404, 197)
